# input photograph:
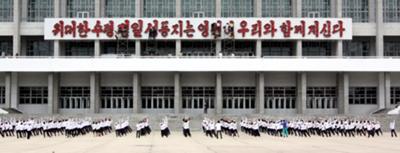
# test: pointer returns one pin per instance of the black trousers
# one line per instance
(393, 133)
(186, 133)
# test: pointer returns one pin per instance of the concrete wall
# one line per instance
(32, 79)
(197, 79)
(281, 79)
(157, 79)
(2, 79)
(116, 79)
(239, 79)
(321, 79)
(75, 79)
(363, 79)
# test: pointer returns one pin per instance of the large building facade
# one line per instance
(273, 77)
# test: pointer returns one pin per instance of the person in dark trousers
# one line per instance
(186, 128)
(392, 126)
(205, 108)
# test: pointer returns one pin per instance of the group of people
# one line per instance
(322, 128)
(143, 128)
(212, 128)
(73, 127)
(122, 128)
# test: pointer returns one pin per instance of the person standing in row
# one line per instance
(392, 127)
(186, 127)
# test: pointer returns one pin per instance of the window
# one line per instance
(198, 48)
(37, 46)
(316, 8)
(317, 49)
(358, 10)
(277, 8)
(6, 46)
(392, 47)
(116, 97)
(238, 97)
(391, 10)
(74, 97)
(80, 8)
(362, 95)
(79, 48)
(158, 48)
(198, 97)
(157, 97)
(276, 48)
(394, 95)
(111, 47)
(33, 95)
(159, 8)
(40, 9)
(198, 8)
(120, 8)
(356, 48)
(280, 97)
(321, 97)
(6, 10)
(238, 48)
(2, 95)
(237, 8)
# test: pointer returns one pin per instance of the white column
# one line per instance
(379, 28)
(301, 92)
(260, 93)
(97, 14)
(218, 93)
(177, 93)
(381, 90)
(343, 92)
(14, 90)
(16, 28)
(297, 13)
(178, 48)
(57, 14)
(387, 90)
(339, 43)
(8, 89)
(136, 93)
(138, 14)
(94, 92)
(53, 92)
(218, 43)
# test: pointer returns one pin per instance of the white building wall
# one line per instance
(116, 79)
(32, 79)
(363, 79)
(282, 79)
(239, 79)
(395, 79)
(2, 79)
(157, 79)
(75, 79)
(198, 79)
(321, 79)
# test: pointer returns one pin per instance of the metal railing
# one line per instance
(197, 57)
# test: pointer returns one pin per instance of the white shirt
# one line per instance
(186, 125)
(392, 125)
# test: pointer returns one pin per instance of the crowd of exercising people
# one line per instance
(213, 128)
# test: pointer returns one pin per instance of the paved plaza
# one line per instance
(199, 143)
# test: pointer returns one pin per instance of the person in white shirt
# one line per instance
(392, 126)
(218, 129)
(186, 127)
(164, 128)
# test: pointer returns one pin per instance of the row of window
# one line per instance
(200, 97)
(356, 9)
(34, 46)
